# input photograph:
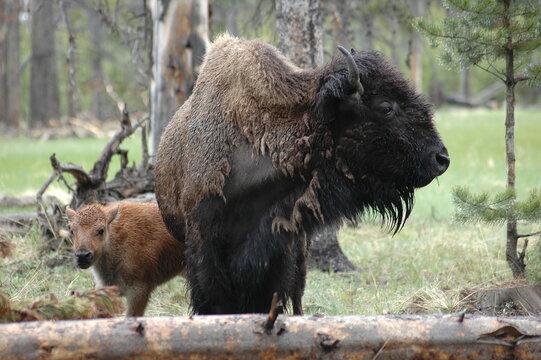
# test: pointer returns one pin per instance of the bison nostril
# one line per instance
(443, 160)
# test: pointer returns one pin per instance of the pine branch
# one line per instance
(499, 208)
(496, 75)
(528, 234)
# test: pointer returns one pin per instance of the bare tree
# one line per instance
(367, 25)
(300, 24)
(44, 98)
(415, 60)
(97, 83)
(74, 106)
(10, 100)
(180, 37)
(341, 16)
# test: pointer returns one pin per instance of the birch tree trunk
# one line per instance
(300, 24)
(10, 88)
(180, 37)
(44, 98)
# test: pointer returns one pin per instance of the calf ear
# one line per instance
(112, 213)
(339, 88)
(70, 213)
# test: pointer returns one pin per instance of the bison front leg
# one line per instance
(206, 253)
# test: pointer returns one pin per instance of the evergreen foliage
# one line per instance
(496, 208)
(502, 37)
(480, 32)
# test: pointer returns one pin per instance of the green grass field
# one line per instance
(424, 268)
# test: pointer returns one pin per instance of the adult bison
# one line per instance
(264, 152)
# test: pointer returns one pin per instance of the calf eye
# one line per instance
(101, 231)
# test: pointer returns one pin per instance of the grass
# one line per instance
(423, 268)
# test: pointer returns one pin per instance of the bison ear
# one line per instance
(112, 213)
(70, 213)
(339, 88)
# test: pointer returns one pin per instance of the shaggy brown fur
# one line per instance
(127, 245)
(264, 152)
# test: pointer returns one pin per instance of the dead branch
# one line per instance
(7, 201)
(92, 186)
(96, 303)
(304, 337)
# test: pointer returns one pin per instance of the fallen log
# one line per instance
(245, 337)
(7, 201)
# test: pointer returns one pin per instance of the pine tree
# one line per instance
(502, 37)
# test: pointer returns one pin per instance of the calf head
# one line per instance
(385, 141)
(90, 232)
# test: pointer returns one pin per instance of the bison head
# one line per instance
(384, 136)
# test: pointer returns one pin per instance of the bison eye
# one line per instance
(101, 231)
(386, 109)
(71, 232)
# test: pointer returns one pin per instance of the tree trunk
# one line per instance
(415, 56)
(326, 254)
(44, 98)
(96, 82)
(10, 101)
(3, 57)
(342, 23)
(405, 337)
(367, 27)
(395, 29)
(299, 24)
(73, 93)
(465, 84)
(232, 13)
(515, 261)
(180, 37)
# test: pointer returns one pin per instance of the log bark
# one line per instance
(244, 337)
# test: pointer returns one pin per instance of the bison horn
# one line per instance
(353, 71)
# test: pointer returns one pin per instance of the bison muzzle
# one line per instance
(264, 152)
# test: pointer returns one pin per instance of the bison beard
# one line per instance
(263, 153)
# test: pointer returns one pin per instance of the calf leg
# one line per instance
(137, 298)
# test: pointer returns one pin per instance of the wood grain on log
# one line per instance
(244, 337)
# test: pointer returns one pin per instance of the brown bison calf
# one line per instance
(127, 245)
